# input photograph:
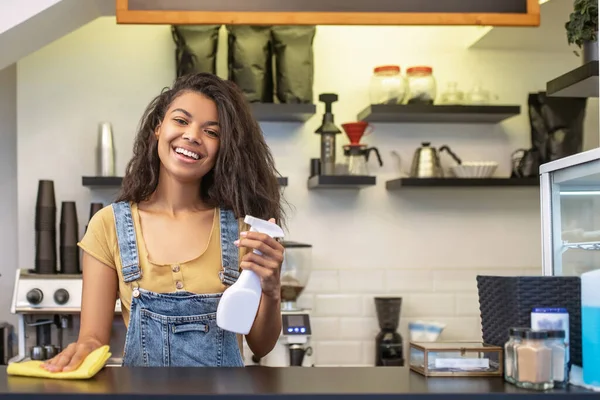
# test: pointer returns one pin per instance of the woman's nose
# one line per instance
(192, 135)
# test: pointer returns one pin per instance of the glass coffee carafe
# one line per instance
(357, 158)
(295, 271)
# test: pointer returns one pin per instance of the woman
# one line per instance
(175, 239)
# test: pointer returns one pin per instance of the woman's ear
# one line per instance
(157, 131)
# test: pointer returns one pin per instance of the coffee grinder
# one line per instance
(293, 347)
(328, 130)
(388, 342)
(357, 154)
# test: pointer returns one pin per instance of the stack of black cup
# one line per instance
(45, 228)
(94, 208)
(69, 233)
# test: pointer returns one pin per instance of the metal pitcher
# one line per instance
(426, 161)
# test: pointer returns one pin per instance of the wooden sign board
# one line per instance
(330, 12)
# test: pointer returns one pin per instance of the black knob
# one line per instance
(35, 296)
(61, 296)
(328, 97)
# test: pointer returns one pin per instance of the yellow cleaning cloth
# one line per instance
(92, 364)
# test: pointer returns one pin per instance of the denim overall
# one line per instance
(176, 329)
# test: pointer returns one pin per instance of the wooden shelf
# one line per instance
(438, 114)
(340, 182)
(330, 12)
(460, 182)
(580, 82)
(108, 182)
(273, 112)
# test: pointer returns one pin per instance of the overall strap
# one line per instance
(130, 264)
(229, 251)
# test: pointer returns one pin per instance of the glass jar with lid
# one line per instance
(452, 95)
(560, 365)
(422, 87)
(387, 85)
(515, 336)
(534, 362)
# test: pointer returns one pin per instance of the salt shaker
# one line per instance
(560, 365)
(515, 337)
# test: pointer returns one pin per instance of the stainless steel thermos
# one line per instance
(105, 151)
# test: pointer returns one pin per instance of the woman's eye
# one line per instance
(180, 121)
(212, 133)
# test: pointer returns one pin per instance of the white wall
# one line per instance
(8, 187)
(15, 12)
(425, 245)
(26, 26)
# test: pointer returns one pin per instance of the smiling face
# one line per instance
(188, 137)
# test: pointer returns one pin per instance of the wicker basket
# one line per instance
(506, 302)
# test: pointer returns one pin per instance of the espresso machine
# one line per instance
(293, 347)
(48, 308)
(47, 299)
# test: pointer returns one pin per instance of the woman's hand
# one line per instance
(266, 265)
(72, 356)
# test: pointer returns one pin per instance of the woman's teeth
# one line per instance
(187, 153)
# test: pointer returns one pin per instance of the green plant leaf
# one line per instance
(583, 22)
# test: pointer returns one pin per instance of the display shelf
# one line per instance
(459, 182)
(423, 113)
(582, 246)
(580, 82)
(341, 182)
(115, 181)
(273, 112)
(101, 181)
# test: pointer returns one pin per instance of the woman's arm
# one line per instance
(100, 284)
(266, 328)
(267, 325)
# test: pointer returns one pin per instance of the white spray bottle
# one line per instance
(239, 304)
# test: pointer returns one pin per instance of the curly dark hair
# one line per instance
(244, 178)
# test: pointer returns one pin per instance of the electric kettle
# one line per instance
(426, 161)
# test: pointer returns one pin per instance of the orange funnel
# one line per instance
(355, 130)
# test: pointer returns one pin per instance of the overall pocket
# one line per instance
(182, 341)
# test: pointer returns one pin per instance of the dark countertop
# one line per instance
(273, 383)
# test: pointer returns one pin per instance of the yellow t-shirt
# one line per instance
(200, 276)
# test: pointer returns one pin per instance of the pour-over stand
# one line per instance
(356, 153)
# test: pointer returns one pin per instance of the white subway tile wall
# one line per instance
(343, 309)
